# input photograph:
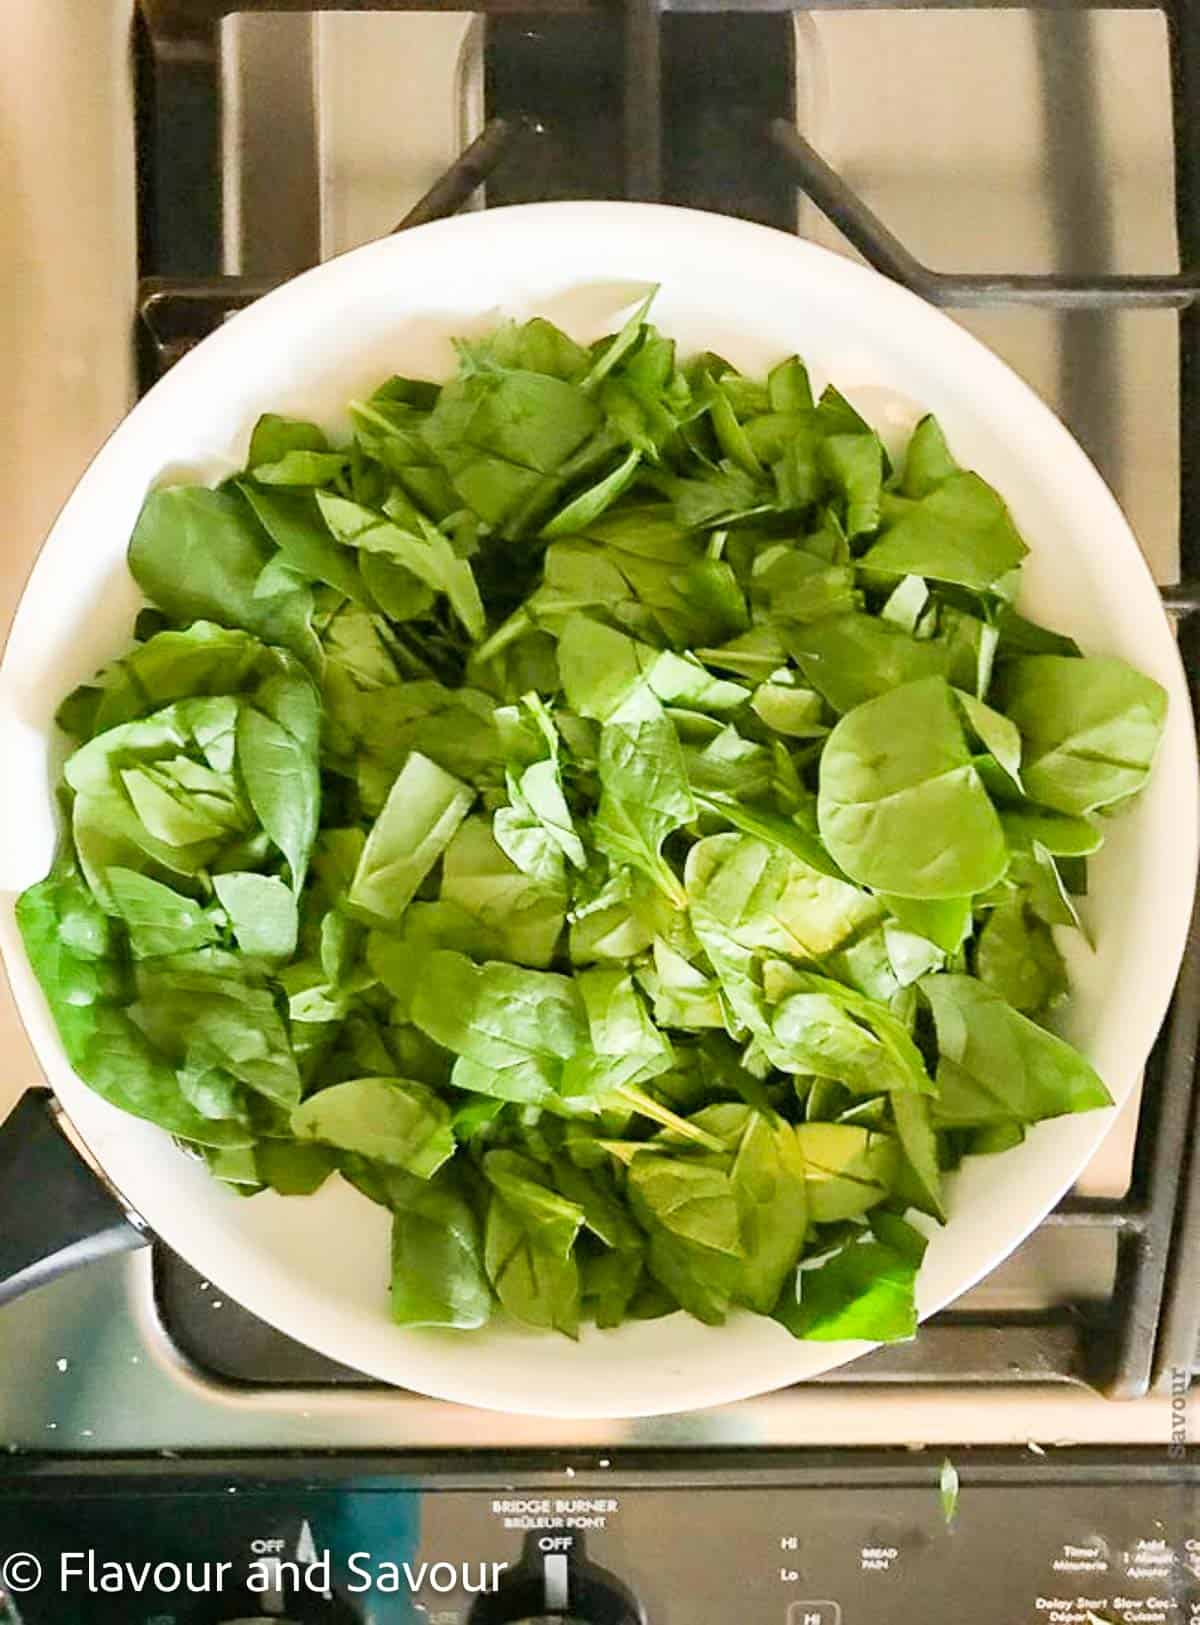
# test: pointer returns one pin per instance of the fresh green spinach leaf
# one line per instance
(901, 806)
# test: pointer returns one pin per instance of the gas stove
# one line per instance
(176, 162)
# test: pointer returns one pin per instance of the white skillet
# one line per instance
(317, 1268)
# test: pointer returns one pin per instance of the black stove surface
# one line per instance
(721, 86)
(733, 1539)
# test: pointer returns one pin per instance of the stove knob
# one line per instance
(340, 1616)
(557, 1587)
(290, 1618)
(311, 1611)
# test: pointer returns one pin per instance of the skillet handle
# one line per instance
(55, 1212)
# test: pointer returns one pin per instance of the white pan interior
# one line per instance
(317, 1267)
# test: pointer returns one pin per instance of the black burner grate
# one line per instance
(647, 130)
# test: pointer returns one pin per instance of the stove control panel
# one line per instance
(746, 1540)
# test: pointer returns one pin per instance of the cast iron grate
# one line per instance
(1149, 1332)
